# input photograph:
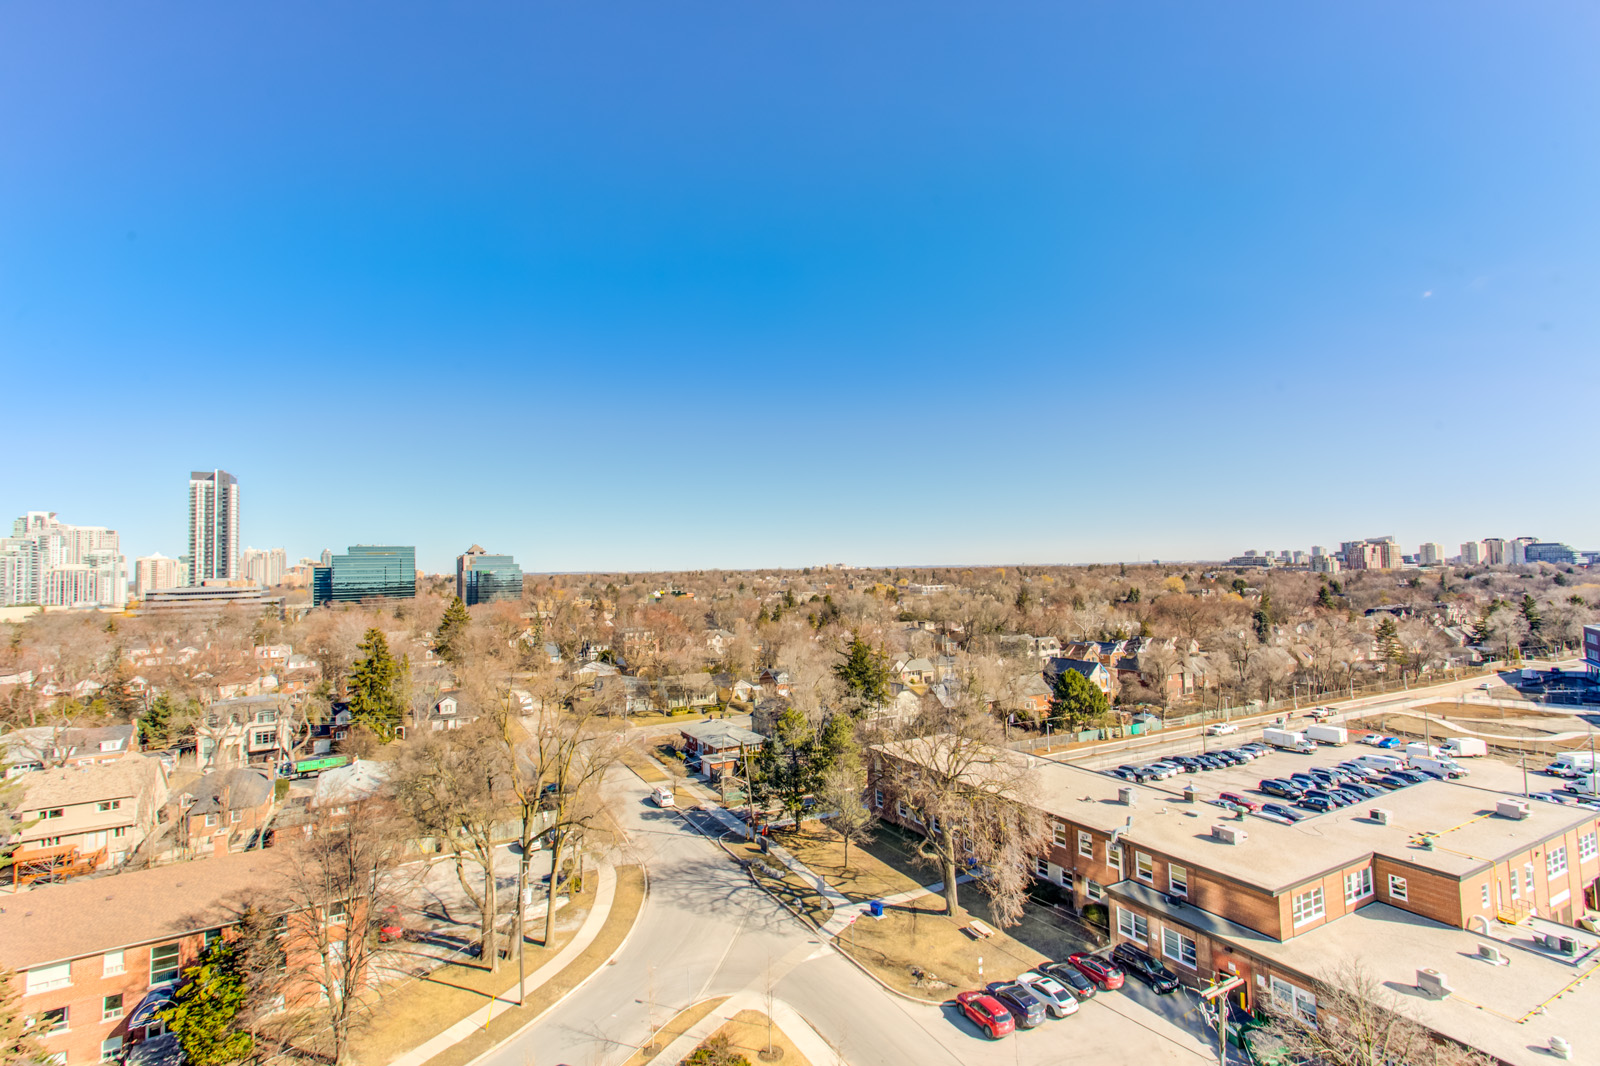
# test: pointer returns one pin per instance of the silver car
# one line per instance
(1058, 1000)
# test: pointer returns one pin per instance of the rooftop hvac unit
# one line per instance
(1490, 953)
(1560, 1047)
(1512, 808)
(1433, 983)
(1127, 797)
(1379, 815)
(1229, 834)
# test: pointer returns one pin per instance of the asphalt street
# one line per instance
(705, 930)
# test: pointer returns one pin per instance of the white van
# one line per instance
(664, 796)
(1382, 763)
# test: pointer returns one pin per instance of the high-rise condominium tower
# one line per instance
(213, 525)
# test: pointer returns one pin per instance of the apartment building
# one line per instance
(156, 571)
(1441, 866)
(82, 818)
(213, 526)
(53, 564)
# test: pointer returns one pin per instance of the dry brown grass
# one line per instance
(641, 764)
(919, 935)
(422, 1009)
(748, 1033)
(868, 875)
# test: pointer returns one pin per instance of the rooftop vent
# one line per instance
(1433, 983)
(1380, 815)
(1229, 834)
(1512, 808)
(1127, 797)
(1490, 953)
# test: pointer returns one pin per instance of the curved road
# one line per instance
(705, 930)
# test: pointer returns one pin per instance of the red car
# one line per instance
(1102, 971)
(1241, 801)
(987, 1014)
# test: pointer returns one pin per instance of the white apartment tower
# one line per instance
(49, 563)
(1430, 554)
(213, 525)
(265, 568)
(158, 572)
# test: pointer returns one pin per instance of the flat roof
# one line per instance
(1275, 856)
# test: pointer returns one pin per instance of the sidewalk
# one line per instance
(806, 1039)
(842, 918)
(478, 1019)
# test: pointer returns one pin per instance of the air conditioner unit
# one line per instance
(1490, 953)
(1127, 797)
(1433, 983)
(1379, 815)
(1229, 834)
(1512, 808)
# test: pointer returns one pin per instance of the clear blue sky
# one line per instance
(641, 285)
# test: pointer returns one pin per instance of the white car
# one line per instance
(1222, 729)
(1058, 999)
(1372, 738)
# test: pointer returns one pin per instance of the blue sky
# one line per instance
(646, 285)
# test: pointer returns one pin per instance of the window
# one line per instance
(1133, 926)
(120, 831)
(1588, 847)
(1555, 861)
(108, 805)
(1058, 833)
(1294, 1000)
(1357, 886)
(1397, 887)
(1114, 858)
(1085, 845)
(266, 717)
(212, 936)
(1527, 876)
(163, 964)
(111, 1049)
(877, 798)
(113, 964)
(337, 914)
(1144, 867)
(1177, 947)
(1041, 867)
(211, 819)
(265, 739)
(111, 1008)
(44, 978)
(1094, 890)
(1309, 906)
(53, 1021)
(53, 812)
(1177, 879)
(1485, 893)
(235, 816)
(1516, 888)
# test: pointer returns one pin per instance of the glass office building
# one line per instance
(485, 578)
(367, 572)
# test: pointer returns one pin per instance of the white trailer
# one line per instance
(1328, 734)
(1466, 747)
(1418, 750)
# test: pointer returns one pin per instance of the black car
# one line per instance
(1069, 975)
(1316, 803)
(1027, 1009)
(1274, 786)
(1389, 781)
(1144, 966)
(1190, 763)
(1305, 781)
(1361, 787)
(1348, 795)
(1288, 814)
(1416, 777)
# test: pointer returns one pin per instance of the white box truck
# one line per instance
(1383, 763)
(1418, 750)
(1328, 734)
(1571, 764)
(1586, 785)
(1466, 747)
(1288, 740)
(1443, 767)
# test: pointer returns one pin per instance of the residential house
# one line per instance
(1092, 669)
(717, 748)
(79, 819)
(916, 671)
(686, 692)
(450, 711)
(1027, 694)
(39, 747)
(718, 641)
(732, 689)
(774, 682)
(222, 811)
(344, 785)
(256, 730)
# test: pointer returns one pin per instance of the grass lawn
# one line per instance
(748, 1033)
(681, 1023)
(641, 764)
(419, 1010)
(791, 886)
(869, 876)
(918, 935)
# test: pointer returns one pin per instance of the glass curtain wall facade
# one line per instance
(367, 572)
(488, 578)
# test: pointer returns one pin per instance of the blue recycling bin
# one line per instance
(875, 908)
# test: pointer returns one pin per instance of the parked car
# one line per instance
(1321, 714)
(1221, 729)
(1145, 967)
(1240, 801)
(984, 1011)
(1304, 781)
(1390, 782)
(1278, 810)
(1058, 998)
(1232, 758)
(1248, 754)
(1027, 1010)
(1416, 777)
(1363, 789)
(1372, 739)
(1348, 796)
(1258, 747)
(1164, 770)
(1389, 742)
(1069, 975)
(1356, 768)
(1317, 803)
(1274, 786)
(1106, 974)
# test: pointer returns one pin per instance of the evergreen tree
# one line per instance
(1388, 637)
(19, 1036)
(1076, 701)
(1530, 612)
(448, 634)
(155, 724)
(865, 673)
(375, 686)
(1263, 617)
(120, 694)
(1334, 587)
(203, 1011)
(1325, 598)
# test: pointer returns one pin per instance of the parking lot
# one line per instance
(1485, 773)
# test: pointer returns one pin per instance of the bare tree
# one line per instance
(1358, 1022)
(852, 818)
(969, 795)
